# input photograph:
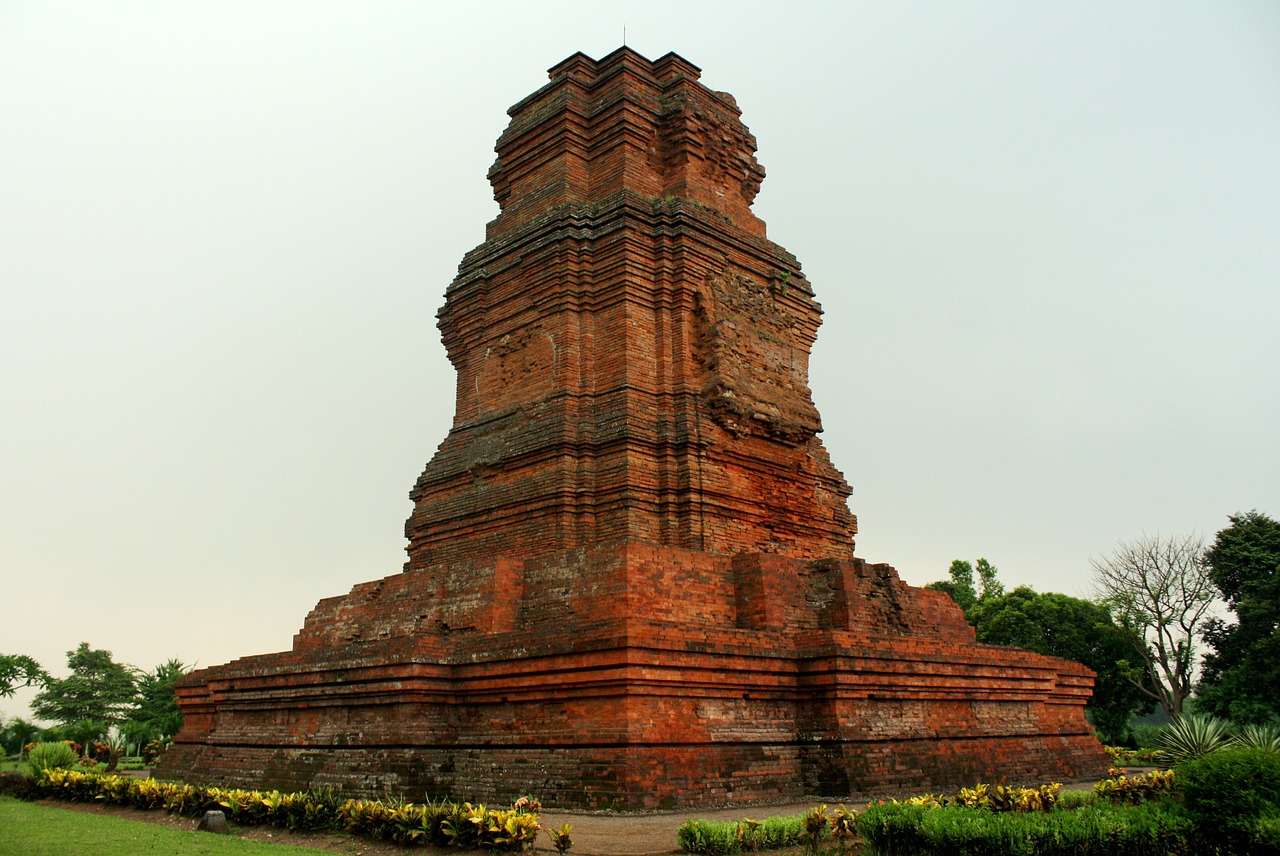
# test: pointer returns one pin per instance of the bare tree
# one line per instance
(1160, 593)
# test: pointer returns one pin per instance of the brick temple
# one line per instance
(631, 581)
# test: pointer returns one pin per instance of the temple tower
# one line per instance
(631, 580)
(632, 353)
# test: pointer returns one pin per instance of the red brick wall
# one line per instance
(632, 353)
(631, 580)
(628, 674)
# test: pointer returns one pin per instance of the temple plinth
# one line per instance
(631, 580)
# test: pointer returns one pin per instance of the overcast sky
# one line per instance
(1046, 237)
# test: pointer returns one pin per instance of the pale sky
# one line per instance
(1046, 237)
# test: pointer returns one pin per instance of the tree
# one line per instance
(987, 581)
(16, 733)
(157, 716)
(1241, 679)
(1159, 591)
(1074, 629)
(18, 670)
(961, 588)
(98, 693)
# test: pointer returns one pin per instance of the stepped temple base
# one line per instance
(754, 678)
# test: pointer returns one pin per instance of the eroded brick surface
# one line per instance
(631, 580)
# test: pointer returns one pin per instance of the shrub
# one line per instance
(562, 838)
(1134, 790)
(1227, 793)
(703, 836)
(1004, 798)
(18, 785)
(513, 829)
(1193, 736)
(1266, 836)
(813, 827)
(319, 811)
(778, 832)
(152, 751)
(1070, 800)
(52, 756)
(70, 744)
(66, 784)
(844, 826)
(1124, 757)
(490, 829)
(1152, 828)
(183, 799)
(894, 827)
(413, 824)
(462, 826)
(1258, 736)
(719, 838)
(367, 817)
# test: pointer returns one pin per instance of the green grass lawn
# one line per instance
(37, 830)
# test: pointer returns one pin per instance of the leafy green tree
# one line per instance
(19, 670)
(1241, 677)
(961, 586)
(98, 694)
(157, 716)
(16, 733)
(1159, 591)
(1074, 629)
(988, 581)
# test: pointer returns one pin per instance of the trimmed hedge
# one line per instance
(1150, 829)
(724, 838)
(1233, 796)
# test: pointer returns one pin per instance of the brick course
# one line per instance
(630, 578)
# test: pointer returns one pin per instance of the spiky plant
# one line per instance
(1258, 736)
(51, 756)
(1190, 737)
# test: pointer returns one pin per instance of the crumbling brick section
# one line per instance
(631, 581)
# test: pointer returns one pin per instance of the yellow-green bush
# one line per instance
(440, 824)
(1120, 789)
